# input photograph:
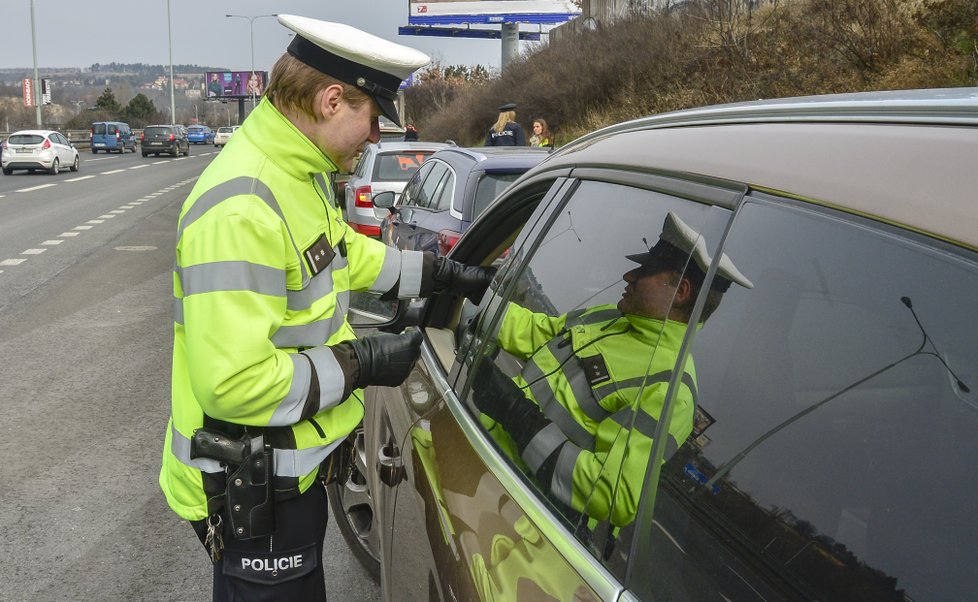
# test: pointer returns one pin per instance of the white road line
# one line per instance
(33, 251)
(82, 228)
(139, 166)
(105, 173)
(52, 242)
(80, 179)
(99, 159)
(95, 221)
(159, 162)
(180, 159)
(13, 261)
(154, 195)
(68, 234)
(35, 188)
(117, 211)
(130, 206)
(106, 216)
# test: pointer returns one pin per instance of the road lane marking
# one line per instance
(106, 173)
(35, 188)
(80, 179)
(82, 227)
(95, 221)
(118, 211)
(139, 166)
(68, 234)
(159, 162)
(33, 251)
(130, 206)
(13, 261)
(106, 216)
(52, 242)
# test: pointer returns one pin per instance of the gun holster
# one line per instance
(250, 492)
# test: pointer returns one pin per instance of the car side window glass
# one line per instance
(833, 455)
(430, 184)
(442, 198)
(577, 353)
(413, 187)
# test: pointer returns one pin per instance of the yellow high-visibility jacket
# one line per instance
(257, 308)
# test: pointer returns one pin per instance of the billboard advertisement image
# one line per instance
(441, 12)
(235, 84)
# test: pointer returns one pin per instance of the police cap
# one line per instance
(677, 242)
(374, 65)
(509, 106)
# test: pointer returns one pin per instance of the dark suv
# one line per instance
(170, 139)
(730, 354)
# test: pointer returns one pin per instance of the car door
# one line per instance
(475, 513)
(66, 154)
(405, 220)
(428, 222)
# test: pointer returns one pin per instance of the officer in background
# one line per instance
(266, 369)
(506, 132)
(586, 373)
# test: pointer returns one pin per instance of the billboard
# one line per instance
(234, 84)
(447, 12)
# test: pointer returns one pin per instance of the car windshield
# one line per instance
(489, 188)
(398, 167)
(26, 139)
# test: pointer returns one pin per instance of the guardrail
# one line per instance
(79, 138)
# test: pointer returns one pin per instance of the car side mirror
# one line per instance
(384, 200)
(367, 311)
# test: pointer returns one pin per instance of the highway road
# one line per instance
(85, 341)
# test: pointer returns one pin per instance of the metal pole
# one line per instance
(37, 81)
(169, 39)
(251, 27)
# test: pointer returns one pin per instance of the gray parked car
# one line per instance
(806, 434)
(385, 166)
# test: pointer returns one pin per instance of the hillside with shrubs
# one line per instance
(707, 52)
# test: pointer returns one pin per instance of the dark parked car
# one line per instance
(813, 439)
(450, 190)
(170, 139)
(200, 134)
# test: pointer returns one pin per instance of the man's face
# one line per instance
(648, 292)
(349, 131)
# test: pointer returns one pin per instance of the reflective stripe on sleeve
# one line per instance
(389, 272)
(320, 286)
(411, 262)
(544, 443)
(231, 276)
(562, 483)
(553, 410)
(309, 335)
(331, 378)
(289, 410)
(573, 373)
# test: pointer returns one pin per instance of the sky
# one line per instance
(79, 33)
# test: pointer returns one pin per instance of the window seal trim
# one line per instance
(711, 191)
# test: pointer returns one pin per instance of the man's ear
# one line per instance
(330, 100)
(684, 291)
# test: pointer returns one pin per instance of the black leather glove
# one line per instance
(468, 280)
(502, 400)
(384, 359)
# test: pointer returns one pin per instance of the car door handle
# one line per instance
(389, 465)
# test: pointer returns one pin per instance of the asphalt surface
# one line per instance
(85, 342)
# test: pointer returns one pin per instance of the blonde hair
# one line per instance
(293, 86)
(504, 118)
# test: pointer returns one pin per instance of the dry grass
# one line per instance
(710, 54)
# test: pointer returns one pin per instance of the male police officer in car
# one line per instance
(592, 374)
(265, 366)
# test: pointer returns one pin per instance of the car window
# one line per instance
(98, 129)
(158, 131)
(834, 452)
(413, 187)
(574, 367)
(397, 167)
(25, 139)
(489, 187)
(427, 190)
(441, 199)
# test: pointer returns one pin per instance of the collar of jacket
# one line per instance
(284, 145)
(667, 333)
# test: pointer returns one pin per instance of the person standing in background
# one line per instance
(541, 134)
(506, 132)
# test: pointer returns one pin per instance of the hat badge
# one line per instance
(361, 82)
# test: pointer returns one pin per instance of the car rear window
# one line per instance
(225, 130)
(26, 139)
(98, 128)
(158, 131)
(489, 188)
(397, 167)
(196, 128)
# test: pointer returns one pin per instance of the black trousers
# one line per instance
(285, 566)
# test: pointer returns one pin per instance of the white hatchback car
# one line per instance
(39, 149)
(224, 134)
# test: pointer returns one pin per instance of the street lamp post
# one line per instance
(37, 81)
(169, 38)
(251, 26)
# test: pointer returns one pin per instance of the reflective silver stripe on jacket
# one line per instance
(645, 424)
(411, 263)
(231, 276)
(562, 482)
(330, 376)
(573, 373)
(553, 410)
(312, 334)
(605, 390)
(544, 443)
(288, 462)
(390, 271)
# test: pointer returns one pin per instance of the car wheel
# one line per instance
(77, 164)
(145, 154)
(7, 172)
(352, 504)
(94, 151)
(187, 154)
(55, 167)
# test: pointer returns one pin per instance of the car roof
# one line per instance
(493, 157)
(34, 132)
(396, 145)
(865, 153)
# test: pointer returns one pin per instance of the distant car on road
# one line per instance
(450, 190)
(224, 134)
(170, 139)
(112, 136)
(200, 134)
(385, 166)
(38, 149)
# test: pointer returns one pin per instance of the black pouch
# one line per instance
(251, 494)
(269, 568)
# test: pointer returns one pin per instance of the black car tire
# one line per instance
(55, 167)
(7, 172)
(77, 164)
(94, 151)
(145, 154)
(352, 504)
